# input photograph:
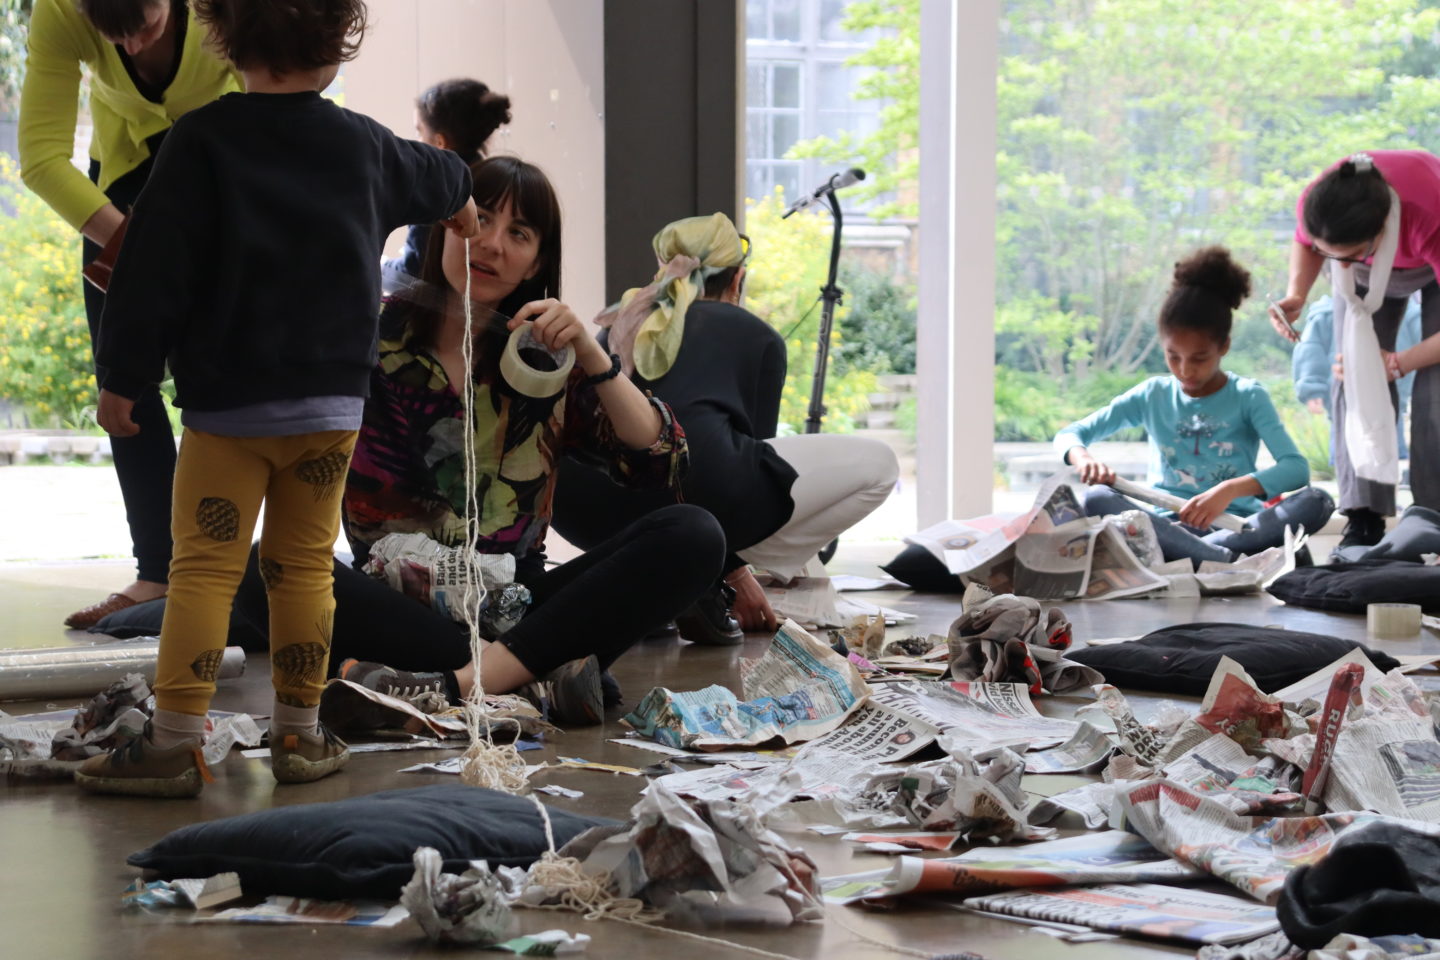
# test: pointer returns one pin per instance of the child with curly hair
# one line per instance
(1205, 427)
(252, 265)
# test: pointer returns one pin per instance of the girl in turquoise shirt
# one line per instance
(1205, 427)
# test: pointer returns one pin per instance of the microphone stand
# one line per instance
(831, 295)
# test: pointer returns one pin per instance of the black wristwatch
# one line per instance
(610, 374)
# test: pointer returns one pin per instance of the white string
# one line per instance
(486, 763)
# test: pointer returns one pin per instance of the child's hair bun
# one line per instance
(1214, 269)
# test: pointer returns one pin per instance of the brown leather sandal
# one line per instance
(93, 614)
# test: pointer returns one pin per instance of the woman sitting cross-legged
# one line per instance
(408, 474)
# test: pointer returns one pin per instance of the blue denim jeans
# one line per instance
(1307, 509)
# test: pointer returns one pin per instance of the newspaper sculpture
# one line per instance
(435, 575)
(976, 796)
(698, 858)
(1010, 639)
(450, 908)
(800, 690)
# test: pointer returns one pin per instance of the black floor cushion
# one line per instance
(361, 847)
(1350, 587)
(1182, 658)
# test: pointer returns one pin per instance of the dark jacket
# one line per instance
(252, 262)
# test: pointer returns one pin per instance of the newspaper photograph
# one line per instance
(1115, 571)
(976, 714)
(1250, 853)
(799, 690)
(1085, 751)
(1218, 768)
(1139, 909)
(1112, 856)
(875, 734)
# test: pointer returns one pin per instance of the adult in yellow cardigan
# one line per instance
(148, 65)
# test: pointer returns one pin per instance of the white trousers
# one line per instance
(841, 480)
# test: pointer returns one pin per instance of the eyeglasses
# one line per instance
(1360, 259)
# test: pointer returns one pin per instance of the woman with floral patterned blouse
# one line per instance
(408, 475)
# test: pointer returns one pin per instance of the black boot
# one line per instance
(1363, 528)
(708, 621)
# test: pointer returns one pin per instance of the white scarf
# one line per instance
(1369, 416)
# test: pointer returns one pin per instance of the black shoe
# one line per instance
(708, 621)
(665, 631)
(1363, 528)
(610, 690)
(570, 695)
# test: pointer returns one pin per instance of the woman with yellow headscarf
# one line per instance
(685, 338)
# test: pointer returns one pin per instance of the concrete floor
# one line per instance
(64, 851)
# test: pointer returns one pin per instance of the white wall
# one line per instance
(548, 57)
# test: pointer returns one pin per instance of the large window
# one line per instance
(798, 87)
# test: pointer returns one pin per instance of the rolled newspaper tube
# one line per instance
(83, 671)
(1393, 621)
(1343, 686)
(1159, 498)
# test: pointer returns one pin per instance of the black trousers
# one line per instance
(600, 603)
(144, 463)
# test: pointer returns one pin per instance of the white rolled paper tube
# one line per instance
(530, 381)
(1392, 621)
(84, 671)
(1159, 498)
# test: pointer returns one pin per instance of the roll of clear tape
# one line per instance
(1392, 621)
(85, 671)
(519, 370)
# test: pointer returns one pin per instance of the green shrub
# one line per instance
(879, 327)
(782, 285)
(45, 368)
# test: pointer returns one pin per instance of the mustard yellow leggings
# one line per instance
(220, 483)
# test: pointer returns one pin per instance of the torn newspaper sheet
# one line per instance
(800, 690)
(1085, 751)
(277, 909)
(1112, 856)
(976, 714)
(1139, 909)
(1250, 853)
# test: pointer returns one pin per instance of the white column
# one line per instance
(959, 59)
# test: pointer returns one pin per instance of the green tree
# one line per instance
(1133, 131)
(782, 286)
(890, 156)
(14, 29)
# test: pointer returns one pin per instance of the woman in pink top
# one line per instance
(1341, 217)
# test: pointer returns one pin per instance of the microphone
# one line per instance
(836, 182)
